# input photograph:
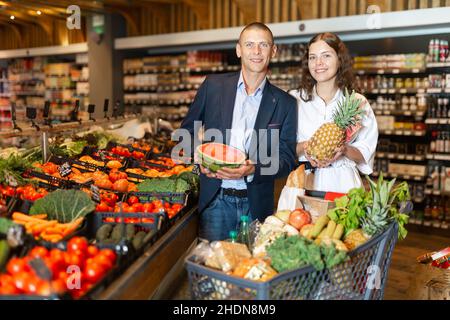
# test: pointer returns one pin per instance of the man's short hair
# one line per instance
(257, 26)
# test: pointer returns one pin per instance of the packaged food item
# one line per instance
(254, 269)
(228, 254)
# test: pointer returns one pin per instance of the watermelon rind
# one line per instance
(215, 164)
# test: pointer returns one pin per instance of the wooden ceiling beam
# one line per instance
(309, 9)
(247, 7)
(15, 29)
(201, 10)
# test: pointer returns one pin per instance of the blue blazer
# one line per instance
(213, 106)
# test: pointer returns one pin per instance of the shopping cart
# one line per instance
(361, 277)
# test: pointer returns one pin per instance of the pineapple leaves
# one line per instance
(374, 210)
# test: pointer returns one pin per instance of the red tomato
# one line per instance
(43, 289)
(75, 259)
(102, 207)
(9, 289)
(58, 258)
(104, 260)
(138, 207)
(92, 251)
(109, 198)
(6, 279)
(17, 265)
(31, 286)
(121, 185)
(148, 207)
(21, 280)
(38, 252)
(166, 205)
(298, 218)
(77, 243)
(110, 254)
(132, 200)
(94, 272)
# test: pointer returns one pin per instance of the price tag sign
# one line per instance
(102, 155)
(65, 169)
(41, 269)
(196, 169)
(95, 193)
(11, 180)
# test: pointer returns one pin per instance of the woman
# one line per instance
(327, 72)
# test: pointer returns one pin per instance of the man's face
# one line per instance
(255, 48)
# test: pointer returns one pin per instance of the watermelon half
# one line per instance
(215, 156)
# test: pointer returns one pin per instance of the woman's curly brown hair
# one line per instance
(345, 77)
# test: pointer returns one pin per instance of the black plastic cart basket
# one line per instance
(362, 277)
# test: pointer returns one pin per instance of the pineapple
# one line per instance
(330, 136)
(378, 217)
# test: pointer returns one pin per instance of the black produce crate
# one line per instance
(93, 153)
(130, 148)
(76, 163)
(50, 180)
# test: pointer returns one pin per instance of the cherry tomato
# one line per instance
(138, 207)
(31, 286)
(38, 252)
(148, 207)
(104, 260)
(109, 253)
(94, 272)
(102, 207)
(9, 289)
(77, 243)
(21, 280)
(17, 265)
(132, 200)
(6, 279)
(92, 251)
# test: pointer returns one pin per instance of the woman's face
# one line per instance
(323, 61)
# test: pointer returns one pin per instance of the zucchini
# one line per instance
(4, 253)
(338, 232)
(318, 227)
(330, 229)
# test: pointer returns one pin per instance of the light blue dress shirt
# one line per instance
(244, 116)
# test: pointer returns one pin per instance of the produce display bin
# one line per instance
(361, 277)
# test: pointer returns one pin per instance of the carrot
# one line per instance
(71, 227)
(39, 216)
(23, 217)
(41, 227)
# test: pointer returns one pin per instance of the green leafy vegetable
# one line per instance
(5, 224)
(64, 205)
(288, 253)
(12, 168)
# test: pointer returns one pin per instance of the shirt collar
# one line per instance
(336, 96)
(258, 91)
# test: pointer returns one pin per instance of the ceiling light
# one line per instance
(39, 12)
(12, 17)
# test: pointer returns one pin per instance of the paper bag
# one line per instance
(295, 187)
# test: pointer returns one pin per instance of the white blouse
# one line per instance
(342, 175)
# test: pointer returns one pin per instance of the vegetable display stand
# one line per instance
(361, 277)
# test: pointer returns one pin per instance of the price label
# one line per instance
(11, 180)
(102, 155)
(95, 193)
(65, 169)
(41, 269)
(196, 169)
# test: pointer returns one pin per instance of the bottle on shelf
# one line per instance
(427, 210)
(244, 231)
(434, 135)
(233, 236)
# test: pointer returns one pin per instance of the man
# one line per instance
(244, 101)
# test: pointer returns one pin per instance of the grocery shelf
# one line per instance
(437, 121)
(427, 227)
(403, 133)
(400, 156)
(431, 65)
(419, 114)
(401, 176)
(438, 90)
(395, 91)
(390, 71)
(433, 192)
(142, 71)
(438, 156)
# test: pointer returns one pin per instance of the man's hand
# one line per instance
(235, 174)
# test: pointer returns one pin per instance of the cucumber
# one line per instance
(130, 231)
(338, 232)
(138, 239)
(4, 253)
(103, 232)
(318, 227)
(330, 229)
